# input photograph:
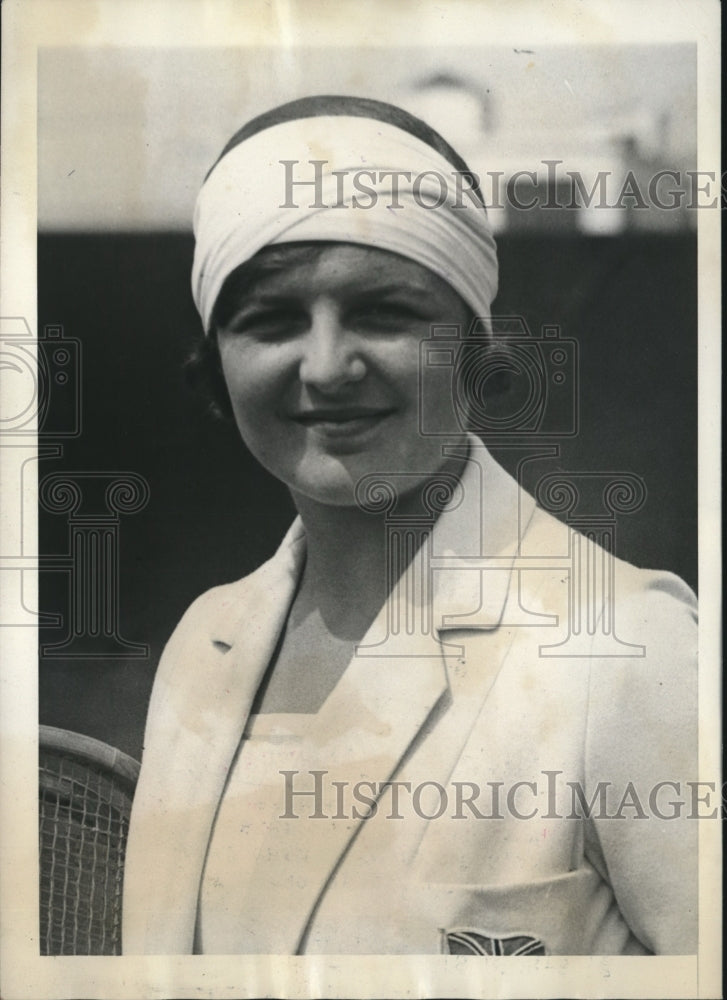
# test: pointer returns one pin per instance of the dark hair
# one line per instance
(203, 367)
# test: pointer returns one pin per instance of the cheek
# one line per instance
(399, 365)
(251, 383)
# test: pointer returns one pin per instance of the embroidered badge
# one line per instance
(465, 941)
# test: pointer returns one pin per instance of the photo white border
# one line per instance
(30, 24)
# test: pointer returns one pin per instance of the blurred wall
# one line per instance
(213, 514)
(126, 134)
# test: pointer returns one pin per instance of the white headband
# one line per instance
(248, 202)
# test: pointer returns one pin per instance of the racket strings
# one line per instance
(84, 822)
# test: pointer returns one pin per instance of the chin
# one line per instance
(331, 482)
(326, 494)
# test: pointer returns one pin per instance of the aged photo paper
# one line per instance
(485, 768)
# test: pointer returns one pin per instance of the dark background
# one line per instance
(213, 514)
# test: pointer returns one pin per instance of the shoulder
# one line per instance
(193, 652)
(210, 610)
(212, 615)
(210, 624)
(632, 587)
(217, 614)
(640, 627)
(642, 704)
(654, 615)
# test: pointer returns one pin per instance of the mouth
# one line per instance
(342, 421)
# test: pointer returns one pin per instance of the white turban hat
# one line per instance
(339, 169)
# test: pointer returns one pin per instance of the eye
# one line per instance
(268, 324)
(386, 315)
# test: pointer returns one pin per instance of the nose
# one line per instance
(331, 356)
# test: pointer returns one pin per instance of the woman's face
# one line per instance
(321, 361)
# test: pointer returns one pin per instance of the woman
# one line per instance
(381, 741)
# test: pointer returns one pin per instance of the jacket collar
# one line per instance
(475, 542)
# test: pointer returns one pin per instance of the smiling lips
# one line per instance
(341, 421)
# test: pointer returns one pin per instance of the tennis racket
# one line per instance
(85, 795)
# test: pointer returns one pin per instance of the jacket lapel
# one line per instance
(362, 733)
(197, 714)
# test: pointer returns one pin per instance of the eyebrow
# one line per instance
(395, 289)
(253, 300)
(286, 299)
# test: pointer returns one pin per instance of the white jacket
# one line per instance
(522, 692)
